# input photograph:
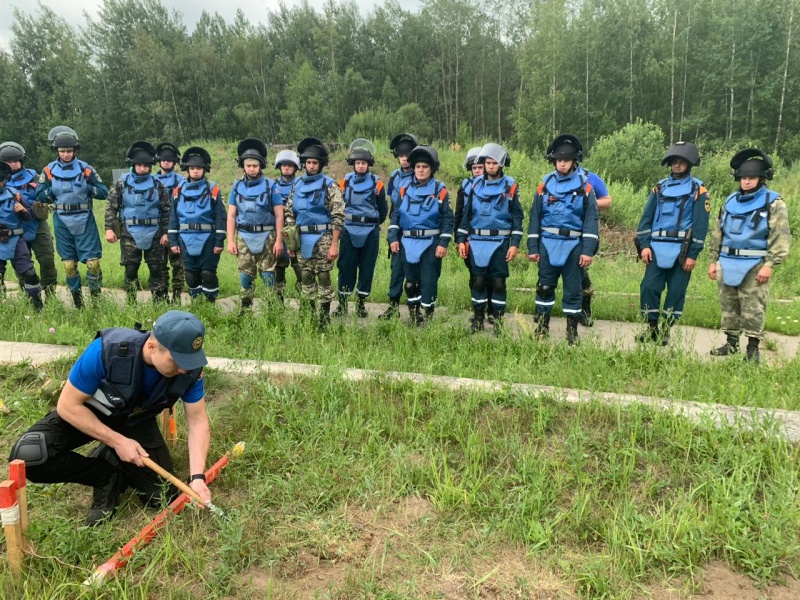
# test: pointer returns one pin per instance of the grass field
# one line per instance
(388, 490)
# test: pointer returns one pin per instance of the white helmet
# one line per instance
(287, 157)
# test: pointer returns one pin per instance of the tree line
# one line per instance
(718, 72)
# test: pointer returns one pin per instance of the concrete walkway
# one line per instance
(784, 423)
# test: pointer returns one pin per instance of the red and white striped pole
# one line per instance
(9, 514)
(16, 472)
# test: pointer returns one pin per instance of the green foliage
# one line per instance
(385, 124)
(631, 154)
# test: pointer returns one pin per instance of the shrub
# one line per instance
(631, 154)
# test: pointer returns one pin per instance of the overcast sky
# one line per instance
(256, 10)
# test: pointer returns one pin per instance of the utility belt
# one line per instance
(255, 228)
(672, 233)
(561, 231)
(69, 207)
(196, 227)
(6, 233)
(315, 228)
(369, 220)
(421, 232)
(741, 251)
(490, 232)
(141, 221)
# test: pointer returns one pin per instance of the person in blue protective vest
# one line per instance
(36, 232)
(255, 221)
(137, 216)
(420, 231)
(197, 224)
(316, 207)
(168, 155)
(562, 236)
(490, 234)
(70, 185)
(475, 169)
(401, 145)
(670, 236)
(114, 392)
(750, 238)
(288, 164)
(13, 212)
(365, 210)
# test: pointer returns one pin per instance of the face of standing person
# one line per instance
(477, 169)
(167, 165)
(565, 166)
(252, 168)
(403, 161)
(196, 173)
(423, 172)
(15, 165)
(312, 166)
(749, 184)
(679, 167)
(361, 167)
(492, 168)
(66, 154)
(287, 171)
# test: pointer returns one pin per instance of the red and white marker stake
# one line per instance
(10, 516)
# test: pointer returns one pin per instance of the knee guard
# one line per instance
(70, 268)
(324, 279)
(499, 285)
(157, 270)
(210, 281)
(93, 264)
(245, 280)
(192, 279)
(588, 292)
(268, 278)
(32, 448)
(30, 278)
(413, 292)
(546, 292)
(131, 272)
(479, 283)
(307, 277)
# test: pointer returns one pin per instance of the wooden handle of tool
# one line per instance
(148, 462)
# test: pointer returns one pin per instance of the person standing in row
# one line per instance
(492, 222)
(255, 221)
(197, 224)
(167, 156)
(562, 236)
(365, 210)
(750, 238)
(420, 231)
(288, 164)
(137, 215)
(475, 169)
(401, 145)
(36, 231)
(70, 185)
(670, 237)
(316, 207)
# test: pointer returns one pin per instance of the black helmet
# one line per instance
(361, 149)
(168, 151)
(60, 129)
(751, 162)
(196, 157)
(312, 147)
(140, 153)
(565, 146)
(11, 151)
(5, 171)
(403, 143)
(424, 154)
(685, 150)
(62, 136)
(252, 148)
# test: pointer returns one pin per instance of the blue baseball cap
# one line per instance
(182, 334)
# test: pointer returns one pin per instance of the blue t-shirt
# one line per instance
(599, 186)
(88, 371)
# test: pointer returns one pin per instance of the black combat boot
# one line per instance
(572, 330)
(498, 322)
(586, 311)
(415, 312)
(36, 300)
(542, 325)
(106, 497)
(361, 310)
(752, 354)
(131, 287)
(324, 315)
(651, 335)
(476, 324)
(247, 307)
(393, 312)
(176, 297)
(731, 346)
(341, 310)
(77, 298)
(161, 296)
(429, 310)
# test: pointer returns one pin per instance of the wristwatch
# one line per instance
(198, 476)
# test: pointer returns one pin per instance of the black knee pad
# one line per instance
(412, 289)
(586, 283)
(480, 283)
(156, 270)
(32, 448)
(131, 272)
(499, 285)
(193, 279)
(30, 277)
(307, 277)
(324, 278)
(209, 279)
(546, 292)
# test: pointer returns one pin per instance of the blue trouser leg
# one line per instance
(571, 275)
(430, 268)
(483, 279)
(650, 291)
(368, 256)
(677, 283)
(347, 263)
(397, 277)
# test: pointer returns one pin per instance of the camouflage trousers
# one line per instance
(284, 261)
(315, 272)
(131, 260)
(252, 265)
(42, 248)
(744, 308)
(178, 271)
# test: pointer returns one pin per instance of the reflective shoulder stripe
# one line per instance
(442, 194)
(588, 188)
(402, 192)
(702, 190)
(48, 172)
(379, 186)
(513, 190)
(540, 188)
(87, 172)
(215, 192)
(342, 184)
